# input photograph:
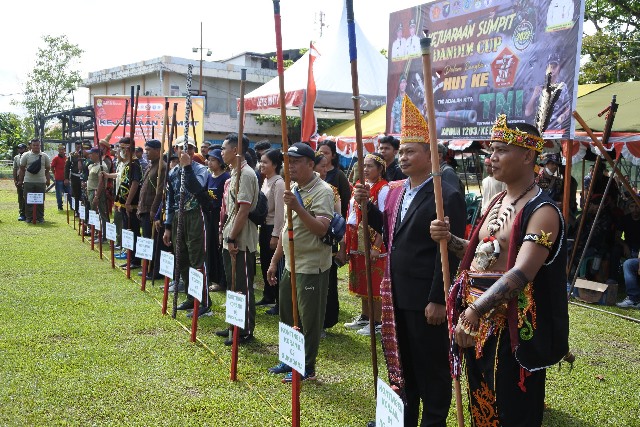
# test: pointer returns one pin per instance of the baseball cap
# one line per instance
(300, 149)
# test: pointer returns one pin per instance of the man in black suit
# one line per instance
(414, 328)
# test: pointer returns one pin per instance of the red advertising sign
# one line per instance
(489, 57)
(110, 109)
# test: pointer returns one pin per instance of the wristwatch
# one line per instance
(229, 240)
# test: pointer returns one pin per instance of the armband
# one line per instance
(541, 239)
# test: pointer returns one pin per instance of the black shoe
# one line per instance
(21, 218)
(265, 301)
(151, 277)
(242, 339)
(187, 305)
(40, 221)
(224, 333)
(274, 311)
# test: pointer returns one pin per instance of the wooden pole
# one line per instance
(425, 45)
(234, 263)
(353, 55)
(566, 197)
(606, 155)
(295, 376)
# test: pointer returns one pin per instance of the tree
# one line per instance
(614, 49)
(13, 131)
(53, 76)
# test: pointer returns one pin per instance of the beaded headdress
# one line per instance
(414, 127)
(501, 133)
(377, 159)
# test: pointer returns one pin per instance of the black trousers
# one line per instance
(333, 304)
(131, 222)
(424, 353)
(266, 253)
(76, 191)
(147, 227)
(214, 250)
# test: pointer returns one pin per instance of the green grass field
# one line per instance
(82, 345)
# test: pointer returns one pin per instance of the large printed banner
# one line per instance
(110, 109)
(489, 57)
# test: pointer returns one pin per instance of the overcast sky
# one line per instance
(118, 32)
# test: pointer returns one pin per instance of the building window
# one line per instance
(175, 90)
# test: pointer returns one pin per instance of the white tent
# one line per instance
(332, 71)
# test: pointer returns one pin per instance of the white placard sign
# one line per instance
(98, 223)
(291, 347)
(111, 231)
(236, 309)
(127, 239)
(81, 211)
(73, 203)
(166, 264)
(93, 217)
(35, 198)
(196, 283)
(144, 248)
(389, 407)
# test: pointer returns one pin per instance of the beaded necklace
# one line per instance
(488, 251)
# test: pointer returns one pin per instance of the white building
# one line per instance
(166, 76)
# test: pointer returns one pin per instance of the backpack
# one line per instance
(337, 226)
(259, 215)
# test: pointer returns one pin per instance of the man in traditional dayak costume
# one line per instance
(414, 331)
(508, 306)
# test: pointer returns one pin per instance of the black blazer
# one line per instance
(416, 269)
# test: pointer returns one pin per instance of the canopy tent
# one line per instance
(332, 71)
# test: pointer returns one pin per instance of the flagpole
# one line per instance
(295, 376)
(425, 45)
(353, 56)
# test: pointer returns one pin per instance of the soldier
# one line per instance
(192, 246)
(73, 174)
(16, 169)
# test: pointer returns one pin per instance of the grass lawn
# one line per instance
(82, 345)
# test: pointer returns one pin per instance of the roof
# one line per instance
(628, 97)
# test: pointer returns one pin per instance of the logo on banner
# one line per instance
(504, 68)
(523, 35)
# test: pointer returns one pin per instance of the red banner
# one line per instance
(110, 109)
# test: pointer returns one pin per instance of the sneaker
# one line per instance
(117, 248)
(242, 339)
(172, 287)
(187, 305)
(121, 255)
(202, 311)
(274, 311)
(280, 368)
(357, 322)
(132, 266)
(40, 221)
(21, 218)
(217, 288)
(628, 303)
(365, 330)
(308, 375)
